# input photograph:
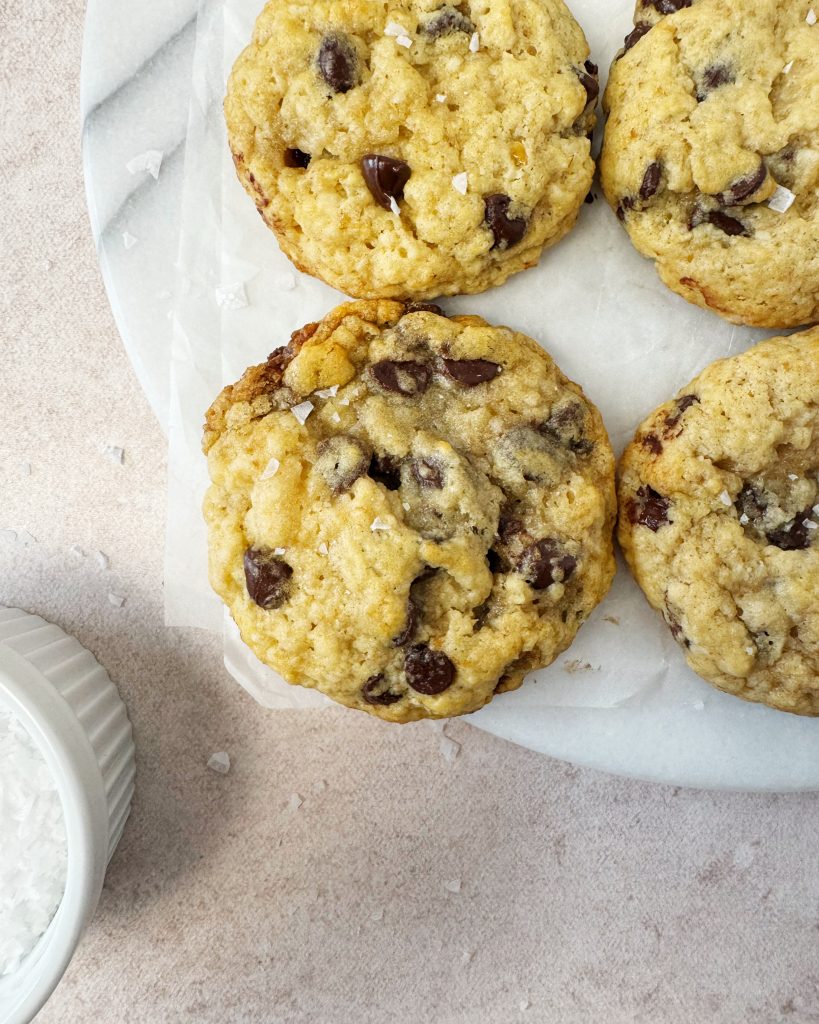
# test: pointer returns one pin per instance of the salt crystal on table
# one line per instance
(33, 853)
(286, 281)
(271, 469)
(219, 762)
(113, 453)
(454, 885)
(233, 296)
(25, 468)
(524, 1005)
(467, 956)
(150, 161)
(77, 551)
(101, 559)
(461, 182)
(116, 600)
(129, 240)
(8, 535)
(294, 802)
(449, 748)
(302, 411)
(782, 199)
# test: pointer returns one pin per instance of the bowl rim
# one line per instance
(67, 750)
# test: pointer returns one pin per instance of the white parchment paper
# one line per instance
(593, 302)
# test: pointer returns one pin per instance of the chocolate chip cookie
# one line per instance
(711, 154)
(719, 521)
(414, 149)
(408, 512)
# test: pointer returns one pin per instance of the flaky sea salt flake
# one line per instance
(323, 549)
(271, 469)
(475, 43)
(811, 17)
(278, 552)
(744, 520)
(404, 41)
(396, 209)
(150, 161)
(328, 392)
(394, 29)
(379, 524)
(461, 182)
(792, 476)
(302, 411)
(233, 296)
(334, 416)
(810, 525)
(219, 762)
(782, 199)
(440, 97)
(725, 498)
(788, 67)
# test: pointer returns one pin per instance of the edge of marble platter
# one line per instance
(135, 86)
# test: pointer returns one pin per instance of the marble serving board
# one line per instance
(136, 91)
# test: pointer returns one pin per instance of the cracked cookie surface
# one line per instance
(719, 521)
(408, 512)
(711, 153)
(414, 149)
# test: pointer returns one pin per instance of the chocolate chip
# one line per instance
(712, 78)
(507, 230)
(374, 692)
(403, 378)
(385, 177)
(640, 29)
(648, 508)
(428, 672)
(653, 443)
(625, 205)
(589, 198)
(471, 372)
(566, 426)
(267, 578)
(651, 180)
(341, 461)
(407, 633)
(672, 419)
(296, 158)
(428, 473)
(728, 225)
(546, 562)
(338, 62)
(794, 536)
(445, 21)
(675, 627)
(386, 470)
(588, 79)
(424, 307)
(744, 187)
(668, 6)
(495, 562)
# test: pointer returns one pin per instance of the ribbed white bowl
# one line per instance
(68, 703)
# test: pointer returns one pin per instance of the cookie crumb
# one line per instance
(150, 161)
(461, 182)
(782, 199)
(302, 411)
(271, 469)
(219, 762)
(475, 43)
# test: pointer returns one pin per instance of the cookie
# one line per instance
(414, 149)
(719, 521)
(408, 512)
(711, 153)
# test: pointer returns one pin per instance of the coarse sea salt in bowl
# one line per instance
(64, 727)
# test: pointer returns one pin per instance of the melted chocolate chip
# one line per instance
(589, 198)
(566, 426)
(794, 536)
(267, 578)
(295, 158)
(408, 632)
(648, 508)
(506, 230)
(653, 443)
(640, 29)
(429, 672)
(385, 177)
(588, 79)
(672, 419)
(546, 562)
(341, 461)
(386, 470)
(668, 6)
(374, 692)
(424, 307)
(743, 188)
(402, 378)
(651, 180)
(471, 372)
(446, 21)
(495, 562)
(338, 62)
(728, 225)
(428, 473)
(712, 78)
(626, 205)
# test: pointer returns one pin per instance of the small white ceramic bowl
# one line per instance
(72, 710)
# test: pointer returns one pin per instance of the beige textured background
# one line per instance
(582, 897)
